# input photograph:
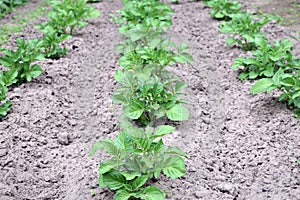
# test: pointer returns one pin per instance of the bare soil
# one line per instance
(241, 146)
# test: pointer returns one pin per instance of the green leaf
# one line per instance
(8, 78)
(151, 193)
(174, 167)
(230, 41)
(94, 14)
(163, 130)
(122, 195)
(261, 85)
(297, 103)
(135, 110)
(34, 72)
(178, 113)
(113, 180)
(121, 141)
(139, 182)
(4, 108)
(130, 175)
(176, 151)
(107, 145)
(179, 86)
(119, 99)
(108, 165)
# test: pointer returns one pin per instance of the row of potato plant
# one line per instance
(147, 92)
(272, 64)
(63, 18)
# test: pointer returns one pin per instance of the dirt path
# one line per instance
(240, 146)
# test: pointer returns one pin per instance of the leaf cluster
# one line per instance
(137, 156)
(67, 15)
(151, 99)
(7, 5)
(20, 62)
(245, 29)
(267, 59)
(287, 82)
(223, 9)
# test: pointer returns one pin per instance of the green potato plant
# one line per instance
(138, 155)
(5, 106)
(267, 59)
(146, 101)
(51, 41)
(288, 83)
(67, 15)
(245, 29)
(223, 9)
(147, 13)
(21, 60)
(152, 59)
(7, 5)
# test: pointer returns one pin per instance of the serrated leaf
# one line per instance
(178, 113)
(261, 85)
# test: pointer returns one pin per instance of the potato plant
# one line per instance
(22, 60)
(288, 83)
(68, 15)
(245, 29)
(223, 9)
(139, 155)
(267, 59)
(50, 45)
(150, 13)
(7, 5)
(149, 100)
(149, 60)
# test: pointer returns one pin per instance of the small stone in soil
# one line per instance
(64, 138)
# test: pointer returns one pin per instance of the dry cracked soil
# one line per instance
(241, 146)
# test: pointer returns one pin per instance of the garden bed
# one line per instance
(241, 146)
